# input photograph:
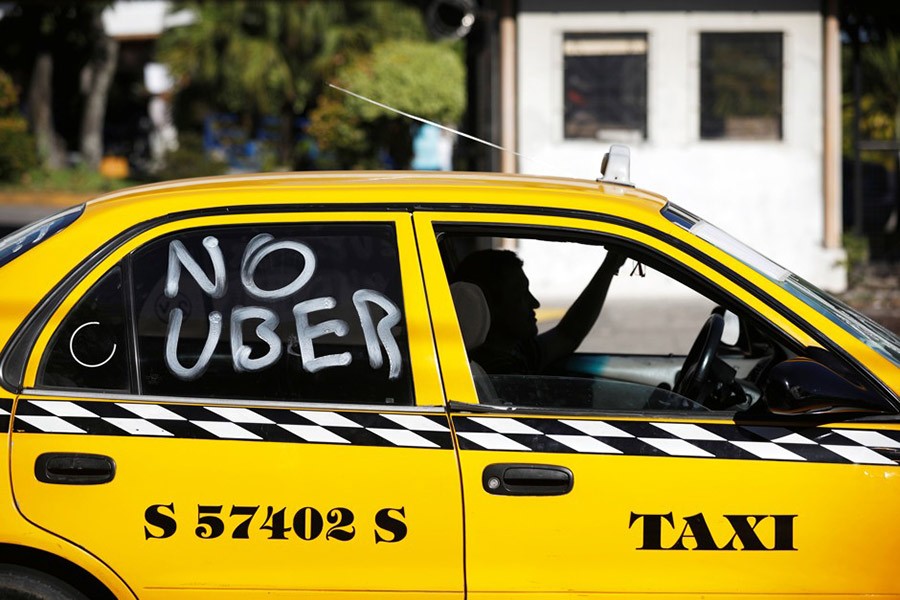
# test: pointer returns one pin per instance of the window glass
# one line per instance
(309, 313)
(28, 237)
(582, 322)
(90, 347)
(605, 86)
(741, 86)
(860, 326)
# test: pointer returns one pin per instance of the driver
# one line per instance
(512, 345)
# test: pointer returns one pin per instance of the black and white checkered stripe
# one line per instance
(5, 410)
(691, 440)
(229, 423)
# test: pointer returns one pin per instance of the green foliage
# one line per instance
(423, 78)
(18, 153)
(189, 161)
(881, 68)
(78, 180)
(880, 101)
(265, 56)
(418, 77)
(273, 57)
(857, 248)
(9, 96)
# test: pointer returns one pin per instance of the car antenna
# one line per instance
(438, 125)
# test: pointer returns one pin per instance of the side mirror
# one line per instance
(801, 386)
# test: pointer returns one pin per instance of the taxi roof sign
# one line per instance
(616, 165)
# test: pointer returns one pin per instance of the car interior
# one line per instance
(735, 359)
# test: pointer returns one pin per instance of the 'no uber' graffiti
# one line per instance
(376, 335)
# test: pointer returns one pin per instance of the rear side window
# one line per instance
(90, 348)
(299, 312)
(19, 242)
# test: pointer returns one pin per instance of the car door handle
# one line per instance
(74, 468)
(515, 479)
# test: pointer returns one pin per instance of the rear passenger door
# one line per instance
(235, 406)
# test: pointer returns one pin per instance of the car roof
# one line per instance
(32, 276)
(192, 191)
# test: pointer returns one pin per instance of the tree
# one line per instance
(422, 78)
(17, 148)
(881, 64)
(60, 49)
(265, 58)
(96, 78)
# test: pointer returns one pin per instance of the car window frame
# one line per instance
(423, 372)
(715, 278)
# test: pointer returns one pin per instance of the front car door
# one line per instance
(602, 480)
(236, 406)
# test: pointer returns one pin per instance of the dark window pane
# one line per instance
(310, 313)
(741, 86)
(605, 86)
(90, 348)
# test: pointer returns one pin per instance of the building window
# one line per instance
(605, 86)
(741, 86)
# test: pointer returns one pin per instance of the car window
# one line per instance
(90, 347)
(19, 242)
(872, 334)
(299, 312)
(310, 312)
(594, 323)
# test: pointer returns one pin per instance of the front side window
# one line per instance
(589, 323)
(860, 326)
(605, 86)
(741, 86)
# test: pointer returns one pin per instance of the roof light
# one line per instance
(616, 165)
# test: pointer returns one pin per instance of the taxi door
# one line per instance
(565, 504)
(242, 406)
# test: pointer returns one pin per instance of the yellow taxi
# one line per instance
(335, 385)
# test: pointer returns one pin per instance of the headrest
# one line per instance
(472, 311)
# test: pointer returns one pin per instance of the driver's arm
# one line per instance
(565, 338)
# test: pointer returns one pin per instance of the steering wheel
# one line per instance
(695, 370)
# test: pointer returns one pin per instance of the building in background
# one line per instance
(725, 106)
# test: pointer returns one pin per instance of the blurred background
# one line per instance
(778, 120)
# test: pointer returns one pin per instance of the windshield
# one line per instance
(19, 242)
(861, 327)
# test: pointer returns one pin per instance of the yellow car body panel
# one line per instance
(597, 530)
(224, 503)
(174, 478)
(19, 534)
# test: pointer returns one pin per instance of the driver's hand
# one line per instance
(613, 261)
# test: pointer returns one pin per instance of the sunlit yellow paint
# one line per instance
(845, 534)
(110, 519)
(844, 543)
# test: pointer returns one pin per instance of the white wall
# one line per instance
(766, 193)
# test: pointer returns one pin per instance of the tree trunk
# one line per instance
(96, 79)
(40, 109)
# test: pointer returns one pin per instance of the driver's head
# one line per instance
(500, 276)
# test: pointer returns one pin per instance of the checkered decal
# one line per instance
(750, 442)
(5, 410)
(224, 423)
